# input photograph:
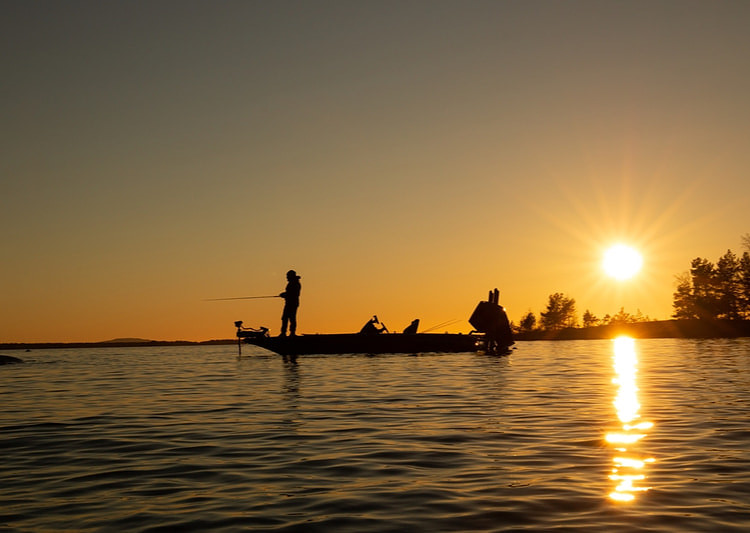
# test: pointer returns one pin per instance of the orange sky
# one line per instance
(404, 158)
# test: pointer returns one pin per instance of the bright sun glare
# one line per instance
(622, 261)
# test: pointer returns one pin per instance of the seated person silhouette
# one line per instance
(411, 329)
(371, 329)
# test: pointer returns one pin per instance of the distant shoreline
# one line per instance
(109, 344)
(657, 329)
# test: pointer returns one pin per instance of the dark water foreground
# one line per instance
(560, 436)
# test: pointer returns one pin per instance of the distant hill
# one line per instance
(126, 340)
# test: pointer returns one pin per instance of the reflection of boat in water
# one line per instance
(491, 334)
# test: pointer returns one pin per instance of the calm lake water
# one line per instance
(650, 435)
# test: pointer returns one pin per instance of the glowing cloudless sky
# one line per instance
(403, 157)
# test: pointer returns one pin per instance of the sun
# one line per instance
(622, 261)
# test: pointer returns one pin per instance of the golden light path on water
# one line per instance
(628, 471)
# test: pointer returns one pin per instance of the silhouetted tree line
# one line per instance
(720, 290)
(560, 313)
(708, 291)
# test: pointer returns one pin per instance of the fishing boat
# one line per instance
(491, 334)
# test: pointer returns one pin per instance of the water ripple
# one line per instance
(193, 438)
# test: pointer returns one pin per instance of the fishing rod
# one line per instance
(443, 324)
(240, 298)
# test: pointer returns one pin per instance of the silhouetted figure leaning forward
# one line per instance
(371, 329)
(291, 303)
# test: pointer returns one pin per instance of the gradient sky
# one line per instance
(403, 157)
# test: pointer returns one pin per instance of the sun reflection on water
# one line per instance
(628, 464)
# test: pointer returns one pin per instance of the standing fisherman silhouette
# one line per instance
(291, 303)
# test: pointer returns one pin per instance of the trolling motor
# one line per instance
(250, 333)
(490, 318)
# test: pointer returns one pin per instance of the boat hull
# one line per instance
(369, 344)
